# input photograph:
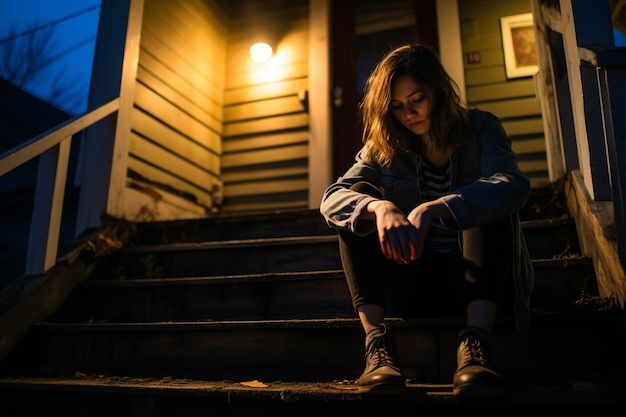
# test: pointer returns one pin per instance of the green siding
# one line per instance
(487, 87)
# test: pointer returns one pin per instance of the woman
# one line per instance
(432, 195)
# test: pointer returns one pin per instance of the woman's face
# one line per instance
(410, 104)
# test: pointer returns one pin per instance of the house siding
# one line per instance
(266, 124)
(487, 87)
(177, 116)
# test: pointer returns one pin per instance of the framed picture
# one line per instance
(518, 43)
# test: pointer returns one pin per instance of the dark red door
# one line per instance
(354, 53)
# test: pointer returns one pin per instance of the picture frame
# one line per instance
(519, 46)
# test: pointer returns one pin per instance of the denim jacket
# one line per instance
(486, 184)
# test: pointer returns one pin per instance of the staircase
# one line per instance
(250, 315)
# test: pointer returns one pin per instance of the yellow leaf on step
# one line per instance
(254, 384)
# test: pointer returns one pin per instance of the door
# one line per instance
(361, 32)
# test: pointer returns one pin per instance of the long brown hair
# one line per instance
(382, 133)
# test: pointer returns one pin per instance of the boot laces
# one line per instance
(378, 353)
(473, 351)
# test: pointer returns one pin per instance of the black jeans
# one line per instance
(479, 269)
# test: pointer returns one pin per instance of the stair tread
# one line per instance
(570, 260)
(238, 243)
(599, 391)
(539, 318)
(202, 280)
(325, 237)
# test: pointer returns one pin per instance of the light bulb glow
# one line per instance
(260, 52)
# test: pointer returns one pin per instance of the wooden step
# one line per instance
(314, 350)
(560, 285)
(551, 238)
(280, 295)
(232, 257)
(290, 223)
(78, 395)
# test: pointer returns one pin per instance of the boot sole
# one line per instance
(477, 391)
(382, 389)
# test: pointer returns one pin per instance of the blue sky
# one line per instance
(75, 27)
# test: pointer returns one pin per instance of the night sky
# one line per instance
(75, 25)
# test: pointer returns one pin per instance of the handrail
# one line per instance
(609, 64)
(26, 151)
(53, 148)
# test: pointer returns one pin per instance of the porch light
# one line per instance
(261, 52)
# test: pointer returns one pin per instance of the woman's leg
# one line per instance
(487, 254)
(364, 268)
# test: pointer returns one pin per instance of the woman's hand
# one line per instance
(421, 217)
(399, 238)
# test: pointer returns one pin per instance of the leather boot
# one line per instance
(476, 374)
(381, 375)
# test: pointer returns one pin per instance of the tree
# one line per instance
(26, 58)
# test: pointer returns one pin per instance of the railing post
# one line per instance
(611, 76)
(45, 226)
(103, 161)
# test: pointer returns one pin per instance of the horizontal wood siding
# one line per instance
(177, 120)
(487, 87)
(265, 126)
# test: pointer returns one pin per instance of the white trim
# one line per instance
(320, 137)
(450, 47)
(104, 154)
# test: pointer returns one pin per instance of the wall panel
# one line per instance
(177, 121)
(265, 120)
(487, 87)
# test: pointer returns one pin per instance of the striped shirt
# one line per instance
(434, 183)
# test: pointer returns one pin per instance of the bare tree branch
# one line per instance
(26, 58)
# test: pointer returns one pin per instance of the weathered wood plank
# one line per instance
(176, 164)
(265, 141)
(205, 74)
(265, 187)
(539, 165)
(157, 132)
(265, 91)
(496, 91)
(269, 124)
(265, 173)
(525, 146)
(513, 108)
(264, 108)
(192, 100)
(528, 126)
(265, 156)
(267, 203)
(176, 118)
(284, 72)
(159, 176)
(484, 76)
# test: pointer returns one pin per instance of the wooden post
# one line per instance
(103, 160)
(585, 25)
(320, 140)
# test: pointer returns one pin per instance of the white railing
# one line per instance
(53, 149)
(607, 85)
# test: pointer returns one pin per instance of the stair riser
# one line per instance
(288, 224)
(557, 288)
(235, 260)
(257, 300)
(564, 288)
(426, 352)
(552, 240)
